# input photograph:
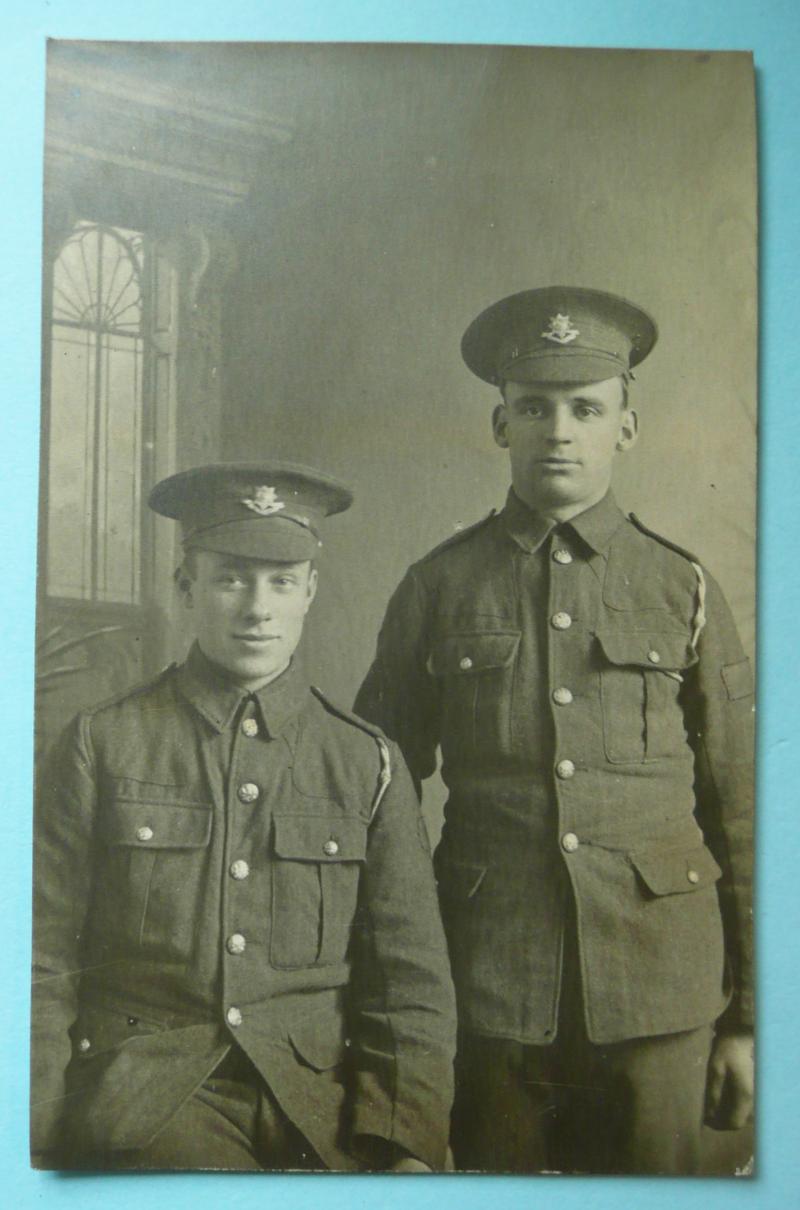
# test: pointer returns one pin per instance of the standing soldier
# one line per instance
(239, 957)
(593, 704)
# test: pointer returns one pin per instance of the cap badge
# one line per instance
(561, 331)
(264, 502)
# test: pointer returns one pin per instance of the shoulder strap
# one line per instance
(385, 770)
(460, 535)
(699, 619)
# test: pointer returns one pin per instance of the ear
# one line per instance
(500, 425)
(311, 587)
(628, 429)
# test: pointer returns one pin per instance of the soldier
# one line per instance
(239, 961)
(593, 704)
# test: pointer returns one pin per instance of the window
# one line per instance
(99, 421)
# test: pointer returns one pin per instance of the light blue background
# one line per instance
(772, 30)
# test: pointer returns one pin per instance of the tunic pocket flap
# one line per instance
(676, 871)
(665, 652)
(468, 654)
(99, 1029)
(323, 838)
(158, 825)
(319, 1039)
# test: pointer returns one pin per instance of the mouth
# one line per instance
(558, 463)
(256, 640)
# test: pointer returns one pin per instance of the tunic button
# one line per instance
(239, 870)
(693, 875)
(248, 791)
(654, 657)
(330, 848)
(562, 696)
(569, 842)
(235, 944)
(562, 556)
(565, 769)
(84, 1045)
(144, 833)
(234, 1016)
(465, 663)
(561, 621)
(249, 727)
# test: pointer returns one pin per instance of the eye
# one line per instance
(531, 409)
(585, 410)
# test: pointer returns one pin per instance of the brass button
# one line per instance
(654, 657)
(562, 696)
(565, 769)
(249, 727)
(569, 842)
(133, 1020)
(561, 620)
(693, 876)
(465, 663)
(330, 848)
(84, 1045)
(234, 1016)
(144, 833)
(239, 870)
(235, 944)
(248, 791)
(562, 556)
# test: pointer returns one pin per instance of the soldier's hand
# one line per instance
(730, 1082)
(409, 1164)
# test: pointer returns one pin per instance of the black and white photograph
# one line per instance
(396, 610)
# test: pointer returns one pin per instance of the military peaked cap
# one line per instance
(558, 334)
(259, 510)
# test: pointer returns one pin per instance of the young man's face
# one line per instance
(248, 614)
(562, 439)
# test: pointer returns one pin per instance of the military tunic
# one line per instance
(594, 710)
(217, 868)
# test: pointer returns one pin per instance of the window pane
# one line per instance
(69, 538)
(119, 471)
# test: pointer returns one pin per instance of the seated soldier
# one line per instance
(239, 962)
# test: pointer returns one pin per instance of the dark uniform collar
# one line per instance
(218, 698)
(596, 526)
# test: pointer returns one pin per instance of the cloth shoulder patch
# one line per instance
(738, 679)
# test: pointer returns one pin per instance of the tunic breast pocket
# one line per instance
(641, 673)
(315, 877)
(151, 878)
(476, 672)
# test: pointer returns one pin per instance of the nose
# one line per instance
(259, 604)
(560, 427)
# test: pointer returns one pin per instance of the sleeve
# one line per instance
(721, 716)
(63, 825)
(399, 693)
(402, 1000)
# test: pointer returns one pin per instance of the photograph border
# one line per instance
(736, 25)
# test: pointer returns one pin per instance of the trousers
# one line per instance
(574, 1106)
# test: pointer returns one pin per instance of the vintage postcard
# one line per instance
(396, 610)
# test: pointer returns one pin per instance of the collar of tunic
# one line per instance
(218, 698)
(596, 526)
